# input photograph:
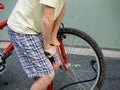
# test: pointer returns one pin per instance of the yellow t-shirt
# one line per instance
(27, 14)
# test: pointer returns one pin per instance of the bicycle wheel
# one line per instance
(87, 67)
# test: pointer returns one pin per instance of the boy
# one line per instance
(33, 30)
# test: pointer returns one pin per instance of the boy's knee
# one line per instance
(50, 77)
(47, 79)
(43, 82)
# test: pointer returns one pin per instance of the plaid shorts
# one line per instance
(30, 51)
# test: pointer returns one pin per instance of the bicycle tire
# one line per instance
(82, 66)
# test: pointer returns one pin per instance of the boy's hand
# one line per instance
(51, 50)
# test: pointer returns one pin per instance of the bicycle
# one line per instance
(83, 65)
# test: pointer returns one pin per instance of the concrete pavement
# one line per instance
(14, 78)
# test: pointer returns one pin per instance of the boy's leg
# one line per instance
(47, 79)
(57, 26)
(41, 83)
(29, 49)
(57, 60)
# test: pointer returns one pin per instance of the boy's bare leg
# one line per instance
(56, 66)
(56, 27)
(41, 83)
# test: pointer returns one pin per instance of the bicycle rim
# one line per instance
(87, 68)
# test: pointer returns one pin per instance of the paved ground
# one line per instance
(14, 77)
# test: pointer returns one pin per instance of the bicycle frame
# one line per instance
(1, 6)
(7, 51)
(3, 24)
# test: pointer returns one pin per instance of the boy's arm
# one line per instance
(47, 26)
(59, 19)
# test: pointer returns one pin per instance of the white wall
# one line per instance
(99, 18)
